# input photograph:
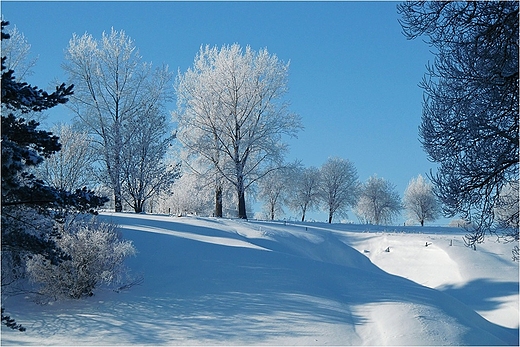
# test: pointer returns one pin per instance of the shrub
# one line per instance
(97, 253)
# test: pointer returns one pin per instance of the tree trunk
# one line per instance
(218, 201)
(422, 222)
(241, 193)
(330, 216)
(272, 212)
(218, 183)
(138, 206)
(116, 175)
(118, 204)
(242, 205)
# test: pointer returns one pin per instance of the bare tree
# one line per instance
(274, 190)
(115, 93)
(420, 201)
(146, 172)
(17, 51)
(17, 54)
(378, 203)
(339, 186)
(70, 168)
(305, 190)
(231, 111)
(470, 112)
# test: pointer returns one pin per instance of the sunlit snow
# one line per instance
(227, 282)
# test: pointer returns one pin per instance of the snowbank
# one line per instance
(225, 282)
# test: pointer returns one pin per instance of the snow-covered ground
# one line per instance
(229, 282)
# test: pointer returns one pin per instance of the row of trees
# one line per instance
(335, 188)
(232, 113)
(230, 118)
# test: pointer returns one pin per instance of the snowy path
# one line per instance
(225, 282)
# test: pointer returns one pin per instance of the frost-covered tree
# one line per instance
(195, 164)
(71, 167)
(193, 192)
(339, 186)
(232, 113)
(190, 194)
(17, 51)
(117, 98)
(274, 190)
(304, 193)
(378, 203)
(420, 201)
(146, 170)
(470, 110)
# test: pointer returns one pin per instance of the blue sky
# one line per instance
(353, 76)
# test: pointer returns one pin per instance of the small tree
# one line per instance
(339, 186)
(273, 190)
(420, 201)
(146, 171)
(379, 203)
(71, 167)
(190, 194)
(304, 194)
(193, 191)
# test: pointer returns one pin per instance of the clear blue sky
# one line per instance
(353, 75)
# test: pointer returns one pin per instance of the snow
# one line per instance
(233, 282)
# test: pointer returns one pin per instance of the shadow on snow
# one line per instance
(199, 291)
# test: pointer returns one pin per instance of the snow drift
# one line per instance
(218, 281)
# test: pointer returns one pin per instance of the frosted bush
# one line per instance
(97, 254)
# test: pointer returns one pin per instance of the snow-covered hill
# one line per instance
(224, 282)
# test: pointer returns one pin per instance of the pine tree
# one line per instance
(31, 208)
